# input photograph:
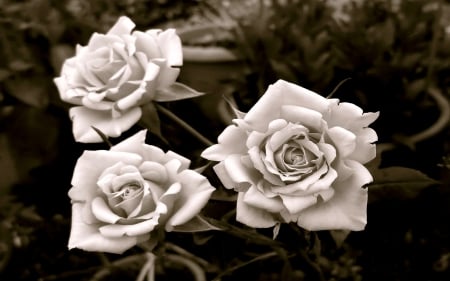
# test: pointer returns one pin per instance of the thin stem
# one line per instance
(434, 43)
(182, 252)
(238, 266)
(197, 271)
(254, 237)
(148, 269)
(183, 124)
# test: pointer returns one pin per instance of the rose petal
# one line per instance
(66, 93)
(124, 25)
(184, 162)
(295, 204)
(222, 174)
(256, 199)
(304, 116)
(230, 141)
(88, 238)
(365, 149)
(251, 216)
(102, 212)
(147, 44)
(241, 174)
(257, 159)
(347, 209)
(85, 175)
(282, 93)
(137, 229)
(153, 171)
(344, 140)
(84, 119)
(170, 46)
(195, 193)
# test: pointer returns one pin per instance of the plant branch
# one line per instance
(238, 266)
(183, 124)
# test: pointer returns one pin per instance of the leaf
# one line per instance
(102, 136)
(339, 236)
(276, 230)
(176, 91)
(150, 120)
(196, 224)
(398, 183)
(33, 91)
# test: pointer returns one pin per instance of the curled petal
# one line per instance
(251, 216)
(365, 149)
(222, 174)
(195, 193)
(279, 94)
(124, 25)
(256, 199)
(344, 140)
(84, 119)
(86, 175)
(170, 45)
(347, 209)
(124, 230)
(298, 114)
(230, 141)
(88, 238)
(102, 212)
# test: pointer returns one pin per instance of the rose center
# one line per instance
(129, 190)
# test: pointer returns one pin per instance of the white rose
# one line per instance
(117, 72)
(298, 157)
(121, 196)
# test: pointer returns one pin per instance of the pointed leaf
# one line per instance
(150, 120)
(177, 91)
(196, 224)
(33, 91)
(276, 230)
(339, 236)
(102, 136)
(398, 183)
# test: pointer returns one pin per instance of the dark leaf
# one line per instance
(33, 91)
(150, 120)
(398, 183)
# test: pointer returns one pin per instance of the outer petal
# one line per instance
(251, 216)
(256, 199)
(222, 174)
(365, 149)
(170, 45)
(124, 25)
(88, 238)
(195, 193)
(279, 94)
(230, 141)
(123, 230)
(347, 209)
(298, 114)
(344, 140)
(84, 118)
(90, 166)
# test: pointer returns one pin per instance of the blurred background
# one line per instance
(391, 56)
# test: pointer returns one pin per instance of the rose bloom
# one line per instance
(298, 157)
(121, 196)
(116, 73)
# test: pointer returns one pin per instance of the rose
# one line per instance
(123, 195)
(298, 157)
(118, 72)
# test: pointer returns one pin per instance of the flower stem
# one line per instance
(236, 267)
(183, 124)
(197, 271)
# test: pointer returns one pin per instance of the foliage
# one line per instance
(392, 56)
